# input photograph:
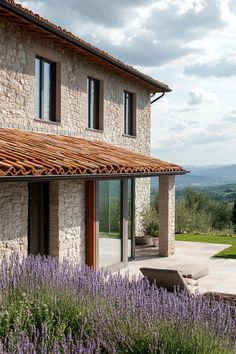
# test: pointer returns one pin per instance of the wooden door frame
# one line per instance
(91, 225)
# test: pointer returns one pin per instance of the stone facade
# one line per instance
(18, 49)
(13, 218)
(72, 220)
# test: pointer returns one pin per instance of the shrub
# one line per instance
(52, 307)
(233, 217)
(197, 213)
(150, 224)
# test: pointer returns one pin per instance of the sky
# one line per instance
(189, 45)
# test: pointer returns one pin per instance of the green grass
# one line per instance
(103, 234)
(229, 252)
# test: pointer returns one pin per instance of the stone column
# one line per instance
(166, 215)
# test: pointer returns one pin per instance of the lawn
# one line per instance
(103, 234)
(229, 252)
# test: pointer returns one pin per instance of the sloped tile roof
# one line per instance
(15, 11)
(24, 153)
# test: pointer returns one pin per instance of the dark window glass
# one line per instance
(93, 103)
(45, 89)
(128, 113)
(38, 218)
(37, 89)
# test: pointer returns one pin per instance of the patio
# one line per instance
(222, 276)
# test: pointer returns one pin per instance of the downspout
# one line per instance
(156, 99)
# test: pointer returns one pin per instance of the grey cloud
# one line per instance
(230, 117)
(166, 36)
(142, 51)
(191, 24)
(178, 127)
(195, 98)
(199, 96)
(224, 67)
(103, 12)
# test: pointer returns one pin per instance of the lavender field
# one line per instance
(51, 307)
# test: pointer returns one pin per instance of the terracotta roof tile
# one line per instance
(114, 61)
(24, 153)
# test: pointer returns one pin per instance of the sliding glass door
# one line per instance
(115, 216)
(109, 216)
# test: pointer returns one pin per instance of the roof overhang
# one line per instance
(31, 156)
(35, 23)
(42, 178)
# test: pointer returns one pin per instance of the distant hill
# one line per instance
(204, 176)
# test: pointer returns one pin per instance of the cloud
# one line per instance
(193, 123)
(187, 109)
(232, 6)
(200, 96)
(230, 117)
(142, 50)
(178, 127)
(179, 23)
(223, 67)
(104, 12)
(143, 33)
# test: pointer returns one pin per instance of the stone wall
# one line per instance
(18, 49)
(72, 220)
(166, 215)
(13, 218)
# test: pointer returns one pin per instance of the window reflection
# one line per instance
(109, 204)
(93, 103)
(44, 89)
(130, 217)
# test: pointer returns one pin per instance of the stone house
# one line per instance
(74, 146)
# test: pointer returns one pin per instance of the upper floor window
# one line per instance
(94, 103)
(129, 114)
(45, 89)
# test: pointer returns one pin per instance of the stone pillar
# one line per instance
(166, 215)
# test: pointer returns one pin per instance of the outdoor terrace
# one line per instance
(222, 276)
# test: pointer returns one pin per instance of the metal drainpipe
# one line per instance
(156, 99)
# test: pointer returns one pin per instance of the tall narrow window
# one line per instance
(45, 89)
(129, 114)
(93, 103)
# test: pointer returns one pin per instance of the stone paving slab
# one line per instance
(222, 276)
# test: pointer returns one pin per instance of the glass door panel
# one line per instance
(130, 218)
(109, 216)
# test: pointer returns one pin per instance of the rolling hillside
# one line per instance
(219, 181)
